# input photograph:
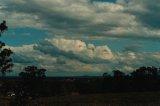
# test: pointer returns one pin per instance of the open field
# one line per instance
(109, 99)
(95, 91)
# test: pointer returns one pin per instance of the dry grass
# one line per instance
(109, 99)
(112, 99)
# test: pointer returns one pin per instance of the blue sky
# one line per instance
(82, 37)
(23, 36)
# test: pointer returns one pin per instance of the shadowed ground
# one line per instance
(110, 99)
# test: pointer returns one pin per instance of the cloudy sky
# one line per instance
(82, 37)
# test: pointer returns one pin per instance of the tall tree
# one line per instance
(32, 80)
(30, 86)
(118, 74)
(32, 72)
(5, 54)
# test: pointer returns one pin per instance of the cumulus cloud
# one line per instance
(25, 55)
(75, 57)
(62, 56)
(130, 61)
(75, 49)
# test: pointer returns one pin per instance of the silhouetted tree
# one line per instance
(5, 62)
(5, 59)
(32, 72)
(32, 80)
(3, 27)
(118, 74)
(152, 71)
(105, 75)
(145, 72)
(140, 72)
(5, 53)
(30, 86)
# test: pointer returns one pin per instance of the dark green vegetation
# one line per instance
(5, 53)
(141, 79)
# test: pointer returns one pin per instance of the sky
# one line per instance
(82, 37)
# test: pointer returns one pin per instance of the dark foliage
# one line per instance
(3, 27)
(32, 72)
(5, 54)
(29, 85)
(31, 81)
(142, 79)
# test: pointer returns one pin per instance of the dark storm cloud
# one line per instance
(150, 17)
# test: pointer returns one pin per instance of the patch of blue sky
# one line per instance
(118, 46)
(23, 36)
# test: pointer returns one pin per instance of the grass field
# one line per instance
(109, 99)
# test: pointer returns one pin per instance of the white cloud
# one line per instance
(72, 18)
(135, 19)
(121, 2)
(74, 57)
(108, 7)
(75, 49)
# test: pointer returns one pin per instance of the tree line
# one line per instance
(142, 79)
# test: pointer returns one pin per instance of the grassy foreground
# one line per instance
(109, 99)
